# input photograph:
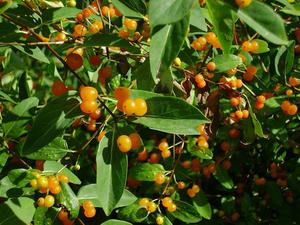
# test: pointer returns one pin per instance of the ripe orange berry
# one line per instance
(163, 145)
(239, 114)
(96, 114)
(196, 45)
(260, 181)
(88, 205)
(87, 12)
(181, 185)
(251, 69)
(160, 178)
(293, 81)
(244, 59)
(234, 101)
(226, 164)
(285, 105)
(234, 133)
(41, 202)
(61, 37)
(58, 88)
(167, 201)
(243, 3)
(166, 153)
(292, 110)
(124, 143)
(129, 107)
(141, 107)
(96, 27)
(63, 178)
(289, 92)
(130, 24)
(142, 156)
(248, 77)
(79, 31)
(34, 183)
(88, 106)
(151, 207)
(55, 189)
(191, 193)
(79, 17)
(172, 208)
(211, 66)
(202, 143)
(144, 202)
(154, 157)
(49, 201)
(232, 71)
(105, 11)
(259, 105)
(135, 140)
(121, 93)
(95, 60)
(74, 61)
(225, 146)
(63, 215)
(261, 98)
(245, 114)
(90, 213)
(255, 46)
(210, 37)
(201, 84)
(91, 125)
(105, 72)
(78, 51)
(247, 45)
(196, 188)
(124, 34)
(88, 93)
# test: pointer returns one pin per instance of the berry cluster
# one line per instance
(126, 143)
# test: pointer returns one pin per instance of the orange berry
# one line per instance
(255, 46)
(144, 202)
(49, 201)
(186, 164)
(61, 37)
(191, 193)
(142, 156)
(234, 101)
(42, 182)
(181, 185)
(58, 88)
(166, 153)
(105, 11)
(239, 83)
(167, 201)
(78, 51)
(172, 208)
(96, 27)
(55, 189)
(292, 110)
(247, 45)
(163, 145)
(243, 3)
(74, 61)
(121, 93)
(196, 45)
(232, 71)
(63, 178)
(88, 106)
(293, 81)
(95, 60)
(289, 92)
(87, 12)
(129, 107)
(91, 125)
(79, 30)
(260, 181)
(105, 72)
(239, 114)
(160, 178)
(226, 164)
(259, 105)
(261, 98)
(141, 107)
(96, 114)
(151, 207)
(101, 135)
(285, 105)
(243, 58)
(88, 205)
(234, 133)
(90, 213)
(135, 140)
(88, 93)
(130, 24)
(196, 188)
(245, 114)
(248, 77)
(201, 84)
(41, 202)
(211, 66)
(225, 146)
(63, 215)
(124, 34)
(202, 143)
(124, 143)
(251, 69)
(210, 37)
(235, 216)
(79, 17)
(199, 78)
(154, 157)
(196, 167)
(33, 183)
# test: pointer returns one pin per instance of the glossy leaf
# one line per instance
(133, 213)
(125, 10)
(186, 212)
(51, 122)
(264, 21)
(34, 52)
(197, 18)
(202, 205)
(223, 177)
(145, 171)
(163, 12)
(223, 21)
(20, 177)
(172, 115)
(111, 172)
(53, 15)
(227, 62)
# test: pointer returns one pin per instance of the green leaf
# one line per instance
(223, 177)
(51, 122)
(145, 171)
(144, 77)
(20, 177)
(6, 97)
(52, 167)
(223, 21)
(69, 199)
(186, 212)
(264, 21)
(24, 91)
(172, 115)
(3, 157)
(14, 123)
(292, 9)
(54, 15)
(257, 126)
(55, 150)
(116, 222)
(111, 172)
(89, 192)
(226, 62)
(202, 153)
(202, 205)
(133, 213)
(109, 40)
(125, 10)
(163, 12)
(284, 59)
(165, 45)
(34, 52)
(24, 16)
(45, 216)
(17, 211)
(197, 18)
(143, 94)
(5, 6)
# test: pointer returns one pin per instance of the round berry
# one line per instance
(151, 207)
(88, 93)
(160, 178)
(135, 140)
(211, 66)
(163, 145)
(88, 107)
(129, 107)
(41, 202)
(124, 143)
(74, 61)
(159, 220)
(172, 208)
(90, 213)
(144, 202)
(49, 201)
(58, 88)
(42, 182)
(167, 201)
(141, 107)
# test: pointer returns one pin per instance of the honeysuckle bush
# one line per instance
(149, 112)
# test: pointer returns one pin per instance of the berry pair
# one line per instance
(126, 143)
